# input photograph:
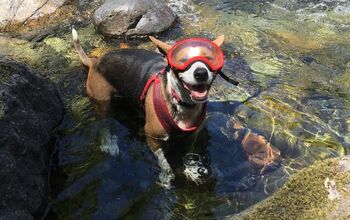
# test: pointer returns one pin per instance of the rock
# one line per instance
(318, 192)
(135, 17)
(304, 42)
(30, 109)
(19, 11)
(238, 70)
(267, 67)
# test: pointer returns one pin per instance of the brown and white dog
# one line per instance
(174, 99)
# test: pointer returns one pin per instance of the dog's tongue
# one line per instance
(199, 92)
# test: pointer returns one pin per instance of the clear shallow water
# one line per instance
(297, 96)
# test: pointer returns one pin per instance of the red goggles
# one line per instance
(188, 51)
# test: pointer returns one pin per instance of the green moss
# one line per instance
(19, 50)
(54, 55)
(2, 110)
(78, 107)
(304, 196)
(6, 71)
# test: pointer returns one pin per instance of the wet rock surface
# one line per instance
(317, 192)
(238, 70)
(134, 17)
(30, 108)
(19, 11)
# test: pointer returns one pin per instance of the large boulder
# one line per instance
(133, 17)
(318, 192)
(30, 108)
(19, 11)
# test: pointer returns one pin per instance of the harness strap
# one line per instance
(149, 83)
(145, 89)
(161, 108)
(164, 116)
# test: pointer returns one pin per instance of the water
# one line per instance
(295, 92)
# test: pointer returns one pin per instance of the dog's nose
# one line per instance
(201, 74)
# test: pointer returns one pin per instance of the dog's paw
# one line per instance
(196, 168)
(165, 178)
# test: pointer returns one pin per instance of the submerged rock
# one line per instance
(19, 11)
(238, 70)
(136, 17)
(30, 108)
(318, 192)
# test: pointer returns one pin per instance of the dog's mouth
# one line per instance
(198, 93)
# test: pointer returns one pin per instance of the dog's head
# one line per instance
(194, 63)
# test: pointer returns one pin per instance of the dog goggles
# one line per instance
(188, 51)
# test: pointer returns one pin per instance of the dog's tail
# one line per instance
(83, 57)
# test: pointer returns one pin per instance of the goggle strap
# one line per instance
(228, 79)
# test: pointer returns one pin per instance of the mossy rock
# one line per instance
(6, 71)
(308, 195)
(276, 116)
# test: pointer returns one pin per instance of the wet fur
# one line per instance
(108, 74)
(111, 74)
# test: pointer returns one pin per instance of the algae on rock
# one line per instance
(305, 195)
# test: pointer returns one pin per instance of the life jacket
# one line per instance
(161, 108)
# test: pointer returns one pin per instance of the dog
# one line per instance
(171, 86)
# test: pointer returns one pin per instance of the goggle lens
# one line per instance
(185, 52)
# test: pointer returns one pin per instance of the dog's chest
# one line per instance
(187, 118)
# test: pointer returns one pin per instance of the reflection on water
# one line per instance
(297, 96)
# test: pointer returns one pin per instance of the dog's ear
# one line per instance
(218, 41)
(164, 47)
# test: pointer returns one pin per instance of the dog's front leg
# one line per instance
(166, 173)
(102, 108)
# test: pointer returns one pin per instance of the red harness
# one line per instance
(161, 108)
